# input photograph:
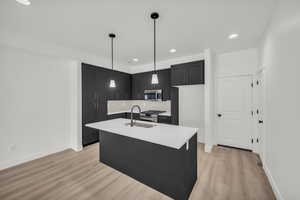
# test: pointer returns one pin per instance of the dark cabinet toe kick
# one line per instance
(170, 171)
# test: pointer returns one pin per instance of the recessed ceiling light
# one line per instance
(135, 59)
(24, 2)
(233, 36)
(172, 50)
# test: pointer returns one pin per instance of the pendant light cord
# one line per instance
(154, 46)
(112, 53)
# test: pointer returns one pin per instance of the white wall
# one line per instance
(209, 99)
(243, 62)
(35, 104)
(76, 106)
(191, 108)
(281, 58)
(51, 49)
(165, 63)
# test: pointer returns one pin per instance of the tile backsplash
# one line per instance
(120, 106)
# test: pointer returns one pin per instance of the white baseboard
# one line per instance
(11, 163)
(272, 182)
(208, 148)
(77, 148)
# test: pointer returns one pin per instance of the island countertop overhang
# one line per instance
(163, 134)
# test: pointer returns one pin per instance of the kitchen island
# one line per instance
(161, 156)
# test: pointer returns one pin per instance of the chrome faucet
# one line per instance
(132, 108)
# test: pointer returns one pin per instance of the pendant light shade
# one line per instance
(112, 83)
(154, 79)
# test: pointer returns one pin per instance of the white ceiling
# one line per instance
(189, 26)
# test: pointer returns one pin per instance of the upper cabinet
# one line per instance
(188, 73)
(139, 84)
(122, 91)
(142, 81)
(164, 83)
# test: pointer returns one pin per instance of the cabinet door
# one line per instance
(196, 73)
(103, 77)
(164, 78)
(89, 136)
(136, 86)
(188, 73)
(125, 86)
(164, 119)
(139, 82)
(174, 105)
(179, 75)
(89, 95)
(116, 116)
(122, 91)
(90, 104)
(145, 81)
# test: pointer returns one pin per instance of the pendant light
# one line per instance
(112, 83)
(154, 79)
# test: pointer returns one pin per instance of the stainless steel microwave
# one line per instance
(153, 95)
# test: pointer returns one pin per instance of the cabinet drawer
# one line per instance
(165, 119)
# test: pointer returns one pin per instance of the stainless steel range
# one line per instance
(150, 115)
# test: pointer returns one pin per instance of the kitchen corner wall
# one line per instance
(281, 64)
(35, 105)
(125, 106)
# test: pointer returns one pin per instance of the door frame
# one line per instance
(260, 129)
(252, 132)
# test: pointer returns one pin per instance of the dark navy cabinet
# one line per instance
(96, 91)
(188, 73)
(142, 81)
(164, 119)
(95, 94)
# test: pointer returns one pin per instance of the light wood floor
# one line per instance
(224, 174)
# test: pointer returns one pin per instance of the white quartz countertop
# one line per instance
(135, 111)
(163, 134)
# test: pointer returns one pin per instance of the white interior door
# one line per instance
(234, 117)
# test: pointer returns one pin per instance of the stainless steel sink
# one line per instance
(139, 124)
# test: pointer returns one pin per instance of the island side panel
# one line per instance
(168, 170)
(191, 165)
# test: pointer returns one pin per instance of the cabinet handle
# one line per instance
(219, 115)
(97, 103)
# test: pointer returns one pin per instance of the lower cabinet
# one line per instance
(126, 115)
(90, 136)
(164, 119)
(135, 116)
(116, 116)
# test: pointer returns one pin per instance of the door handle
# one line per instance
(260, 121)
(219, 115)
